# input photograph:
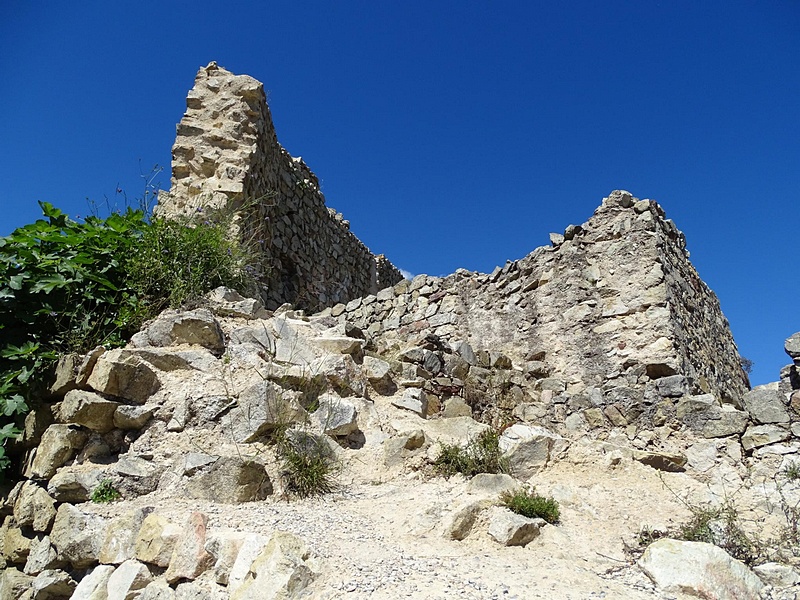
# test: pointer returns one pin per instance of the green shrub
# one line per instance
(531, 505)
(68, 286)
(308, 465)
(721, 526)
(105, 492)
(481, 455)
(791, 471)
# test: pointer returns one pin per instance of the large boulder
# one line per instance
(124, 375)
(529, 449)
(34, 507)
(766, 405)
(230, 480)
(173, 328)
(87, 409)
(260, 408)
(190, 558)
(77, 536)
(699, 569)
(59, 444)
(511, 529)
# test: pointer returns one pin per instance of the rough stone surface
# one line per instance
(766, 405)
(156, 540)
(94, 585)
(59, 444)
(52, 584)
(336, 416)
(13, 584)
(511, 529)
(282, 570)
(120, 538)
(124, 376)
(761, 435)
(77, 536)
(34, 508)
(699, 569)
(87, 409)
(226, 156)
(413, 399)
(189, 558)
(172, 328)
(529, 448)
(127, 580)
(230, 480)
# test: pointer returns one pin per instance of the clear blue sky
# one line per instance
(450, 134)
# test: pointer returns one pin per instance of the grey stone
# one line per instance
(127, 580)
(34, 508)
(197, 327)
(129, 378)
(231, 480)
(52, 584)
(94, 585)
(335, 416)
(673, 386)
(699, 569)
(42, 556)
(73, 484)
(792, 346)
(766, 405)
(120, 538)
(375, 369)
(137, 476)
(761, 435)
(529, 449)
(189, 558)
(77, 536)
(66, 373)
(282, 570)
(156, 540)
(132, 417)
(511, 529)
(87, 409)
(459, 523)
(224, 546)
(59, 444)
(260, 408)
(413, 399)
(718, 422)
(777, 575)
(230, 303)
(157, 590)
(13, 584)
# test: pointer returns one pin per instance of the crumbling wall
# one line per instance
(612, 305)
(227, 158)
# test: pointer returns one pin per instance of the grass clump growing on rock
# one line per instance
(308, 464)
(481, 455)
(532, 505)
(721, 526)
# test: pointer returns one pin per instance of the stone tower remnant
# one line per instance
(226, 157)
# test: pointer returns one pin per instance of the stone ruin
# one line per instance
(602, 360)
(227, 158)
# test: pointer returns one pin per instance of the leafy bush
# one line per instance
(481, 455)
(308, 465)
(68, 286)
(531, 505)
(105, 492)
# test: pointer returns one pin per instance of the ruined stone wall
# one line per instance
(611, 305)
(227, 158)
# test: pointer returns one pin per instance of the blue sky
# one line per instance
(450, 134)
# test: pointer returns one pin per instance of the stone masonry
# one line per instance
(227, 158)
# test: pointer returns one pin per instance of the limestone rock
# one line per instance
(34, 508)
(761, 435)
(699, 569)
(375, 369)
(459, 523)
(59, 444)
(231, 480)
(13, 584)
(94, 585)
(66, 373)
(230, 303)
(342, 373)
(413, 399)
(335, 416)
(189, 558)
(282, 570)
(53, 584)
(15, 545)
(251, 547)
(42, 556)
(792, 346)
(224, 546)
(200, 590)
(128, 579)
(127, 377)
(662, 461)
(74, 484)
(156, 540)
(766, 405)
(157, 590)
(87, 409)
(260, 407)
(673, 386)
(718, 421)
(131, 417)
(137, 476)
(511, 529)
(119, 543)
(777, 575)
(173, 328)
(77, 536)
(529, 448)
(339, 344)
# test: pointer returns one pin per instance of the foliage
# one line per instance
(532, 505)
(747, 364)
(69, 286)
(105, 492)
(481, 455)
(791, 471)
(721, 526)
(308, 465)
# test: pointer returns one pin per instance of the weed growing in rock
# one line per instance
(105, 492)
(721, 525)
(532, 505)
(308, 464)
(791, 471)
(481, 455)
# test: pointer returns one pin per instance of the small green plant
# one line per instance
(308, 465)
(481, 455)
(720, 525)
(791, 471)
(105, 492)
(532, 505)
